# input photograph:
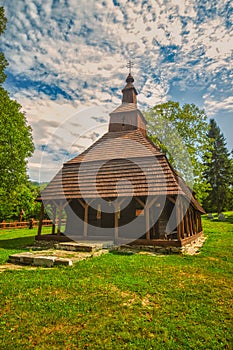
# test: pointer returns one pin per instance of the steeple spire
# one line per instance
(129, 91)
(127, 116)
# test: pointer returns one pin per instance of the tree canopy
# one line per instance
(15, 140)
(218, 172)
(181, 133)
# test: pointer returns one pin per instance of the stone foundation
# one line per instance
(190, 249)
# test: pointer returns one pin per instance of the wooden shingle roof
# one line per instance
(113, 145)
(120, 164)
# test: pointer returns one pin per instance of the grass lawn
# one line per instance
(118, 301)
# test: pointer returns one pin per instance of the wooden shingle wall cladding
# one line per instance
(123, 122)
(127, 117)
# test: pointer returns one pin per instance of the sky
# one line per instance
(67, 65)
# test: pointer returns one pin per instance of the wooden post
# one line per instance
(178, 222)
(85, 220)
(181, 221)
(187, 224)
(147, 207)
(54, 220)
(199, 222)
(116, 217)
(60, 208)
(147, 213)
(116, 225)
(147, 222)
(41, 219)
(191, 222)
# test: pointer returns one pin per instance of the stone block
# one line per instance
(63, 261)
(76, 247)
(176, 250)
(46, 261)
(21, 258)
(221, 217)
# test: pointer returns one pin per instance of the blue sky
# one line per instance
(67, 65)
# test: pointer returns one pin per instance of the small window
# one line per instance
(139, 212)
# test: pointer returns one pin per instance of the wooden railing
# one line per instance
(23, 224)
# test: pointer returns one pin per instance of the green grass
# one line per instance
(122, 301)
(15, 240)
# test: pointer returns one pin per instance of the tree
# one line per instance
(15, 139)
(3, 61)
(22, 197)
(181, 133)
(218, 172)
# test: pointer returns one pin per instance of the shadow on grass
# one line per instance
(228, 219)
(17, 243)
(116, 252)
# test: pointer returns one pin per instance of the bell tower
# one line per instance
(127, 116)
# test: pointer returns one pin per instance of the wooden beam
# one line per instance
(190, 239)
(41, 219)
(153, 200)
(81, 202)
(171, 199)
(140, 201)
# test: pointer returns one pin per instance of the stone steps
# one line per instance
(83, 246)
(38, 260)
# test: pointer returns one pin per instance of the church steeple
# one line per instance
(127, 116)
(129, 91)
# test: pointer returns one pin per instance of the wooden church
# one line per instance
(122, 188)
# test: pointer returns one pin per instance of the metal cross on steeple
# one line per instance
(130, 65)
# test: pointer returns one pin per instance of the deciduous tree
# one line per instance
(15, 139)
(181, 133)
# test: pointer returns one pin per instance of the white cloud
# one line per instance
(212, 106)
(82, 47)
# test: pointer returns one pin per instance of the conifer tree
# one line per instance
(218, 172)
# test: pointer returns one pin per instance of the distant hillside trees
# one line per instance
(218, 173)
(16, 146)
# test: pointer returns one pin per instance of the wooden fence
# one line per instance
(23, 224)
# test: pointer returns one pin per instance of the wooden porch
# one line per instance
(188, 225)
